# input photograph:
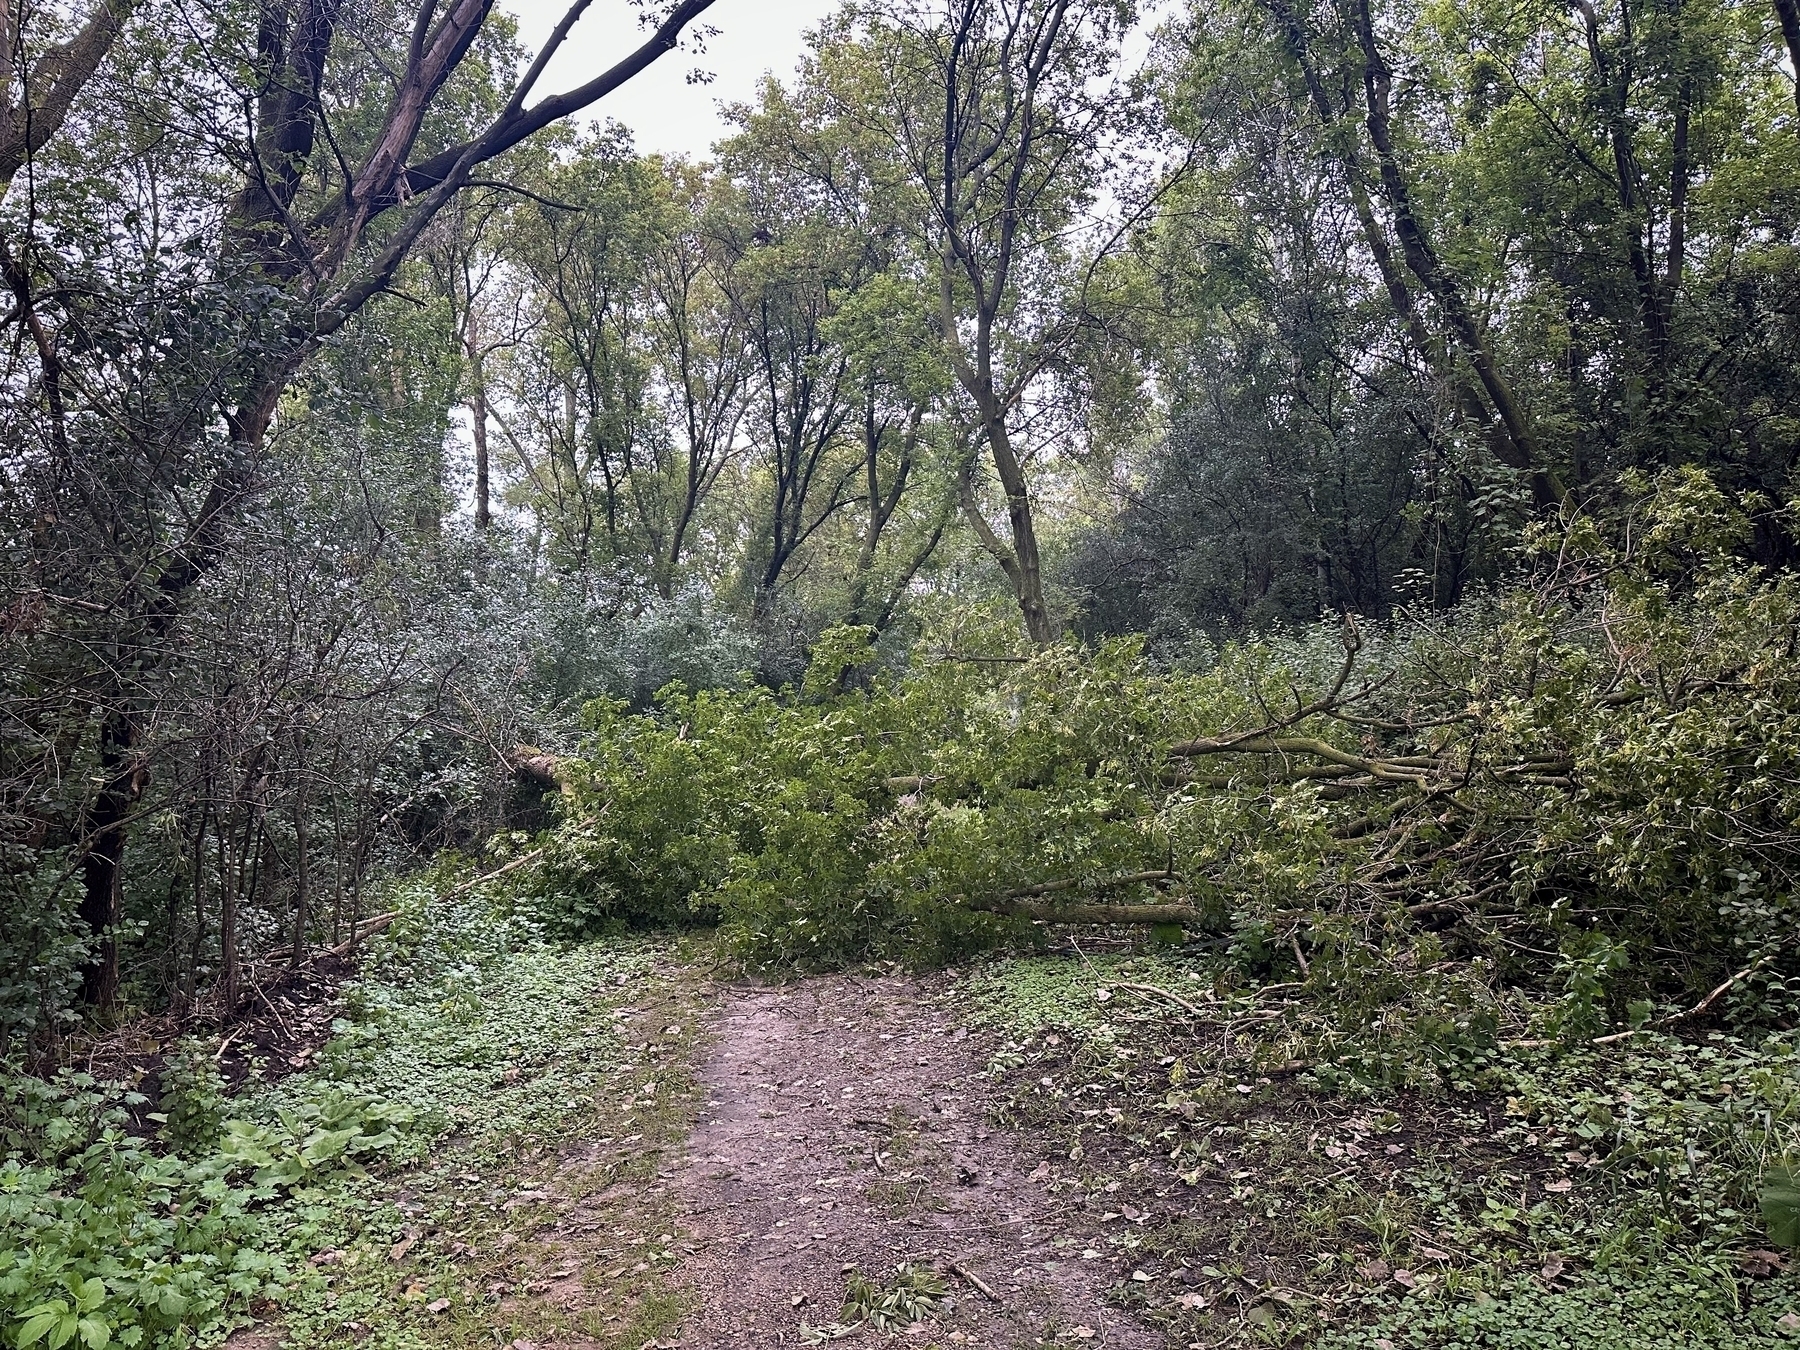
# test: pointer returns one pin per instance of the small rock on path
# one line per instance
(845, 1125)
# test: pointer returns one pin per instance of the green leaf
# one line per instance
(94, 1333)
(1781, 1205)
(35, 1328)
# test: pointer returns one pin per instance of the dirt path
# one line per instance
(843, 1126)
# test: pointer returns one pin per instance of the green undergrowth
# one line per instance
(386, 1197)
(1247, 1190)
(1026, 994)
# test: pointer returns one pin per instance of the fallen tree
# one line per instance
(1570, 780)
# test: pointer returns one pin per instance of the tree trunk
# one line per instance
(1789, 12)
(101, 866)
(230, 877)
(1027, 575)
(302, 879)
(1518, 445)
(478, 416)
(1185, 915)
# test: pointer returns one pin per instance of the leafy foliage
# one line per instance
(112, 1237)
(109, 1240)
(1598, 763)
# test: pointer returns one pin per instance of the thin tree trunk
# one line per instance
(232, 871)
(1789, 11)
(478, 418)
(1027, 575)
(102, 865)
(199, 938)
(1519, 444)
(302, 878)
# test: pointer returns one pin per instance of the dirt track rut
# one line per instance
(845, 1126)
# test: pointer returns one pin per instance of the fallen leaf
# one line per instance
(1376, 1270)
(398, 1251)
(438, 1305)
(1404, 1278)
(1558, 1186)
(1761, 1262)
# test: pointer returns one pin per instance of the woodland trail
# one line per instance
(844, 1125)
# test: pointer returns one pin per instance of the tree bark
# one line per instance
(478, 417)
(1789, 13)
(1028, 576)
(1185, 915)
(104, 827)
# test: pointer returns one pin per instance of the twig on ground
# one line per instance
(973, 1279)
(1697, 1010)
(1157, 991)
(1613, 1038)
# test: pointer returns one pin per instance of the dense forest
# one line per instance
(1286, 508)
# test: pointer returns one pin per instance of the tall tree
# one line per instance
(131, 392)
(1002, 114)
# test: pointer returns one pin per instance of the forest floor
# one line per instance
(615, 1148)
(632, 1153)
(846, 1129)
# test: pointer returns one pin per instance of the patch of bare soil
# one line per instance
(844, 1127)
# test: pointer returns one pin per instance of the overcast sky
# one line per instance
(666, 113)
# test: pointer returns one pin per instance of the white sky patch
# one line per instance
(666, 114)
